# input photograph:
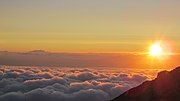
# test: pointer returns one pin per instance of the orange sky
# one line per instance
(88, 26)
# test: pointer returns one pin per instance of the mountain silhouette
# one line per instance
(166, 87)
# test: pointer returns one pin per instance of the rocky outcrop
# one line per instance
(166, 87)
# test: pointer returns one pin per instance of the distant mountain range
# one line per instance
(166, 87)
(45, 58)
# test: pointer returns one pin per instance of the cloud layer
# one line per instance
(67, 84)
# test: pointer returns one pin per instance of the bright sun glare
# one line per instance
(156, 49)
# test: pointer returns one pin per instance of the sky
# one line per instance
(88, 25)
(99, 40)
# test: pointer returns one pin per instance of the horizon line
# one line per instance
(60, 52)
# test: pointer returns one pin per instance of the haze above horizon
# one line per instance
(88, 26)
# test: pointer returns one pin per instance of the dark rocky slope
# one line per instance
(166, 87)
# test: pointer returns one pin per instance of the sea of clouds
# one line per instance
(67, 84)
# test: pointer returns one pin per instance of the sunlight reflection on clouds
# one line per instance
(68, 84)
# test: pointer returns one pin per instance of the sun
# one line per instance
(156, 49)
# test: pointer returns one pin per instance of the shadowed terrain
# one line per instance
(166, 87)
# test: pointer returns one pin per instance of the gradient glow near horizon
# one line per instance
(87, 25)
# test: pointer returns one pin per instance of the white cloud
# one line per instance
(66, 84)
